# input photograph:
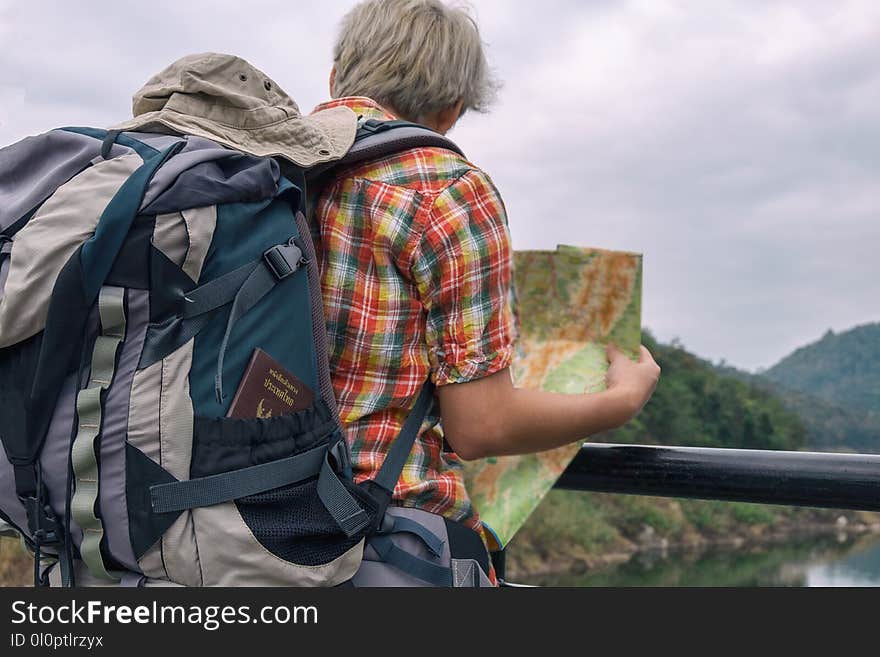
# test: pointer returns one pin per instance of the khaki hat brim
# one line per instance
(306, 141)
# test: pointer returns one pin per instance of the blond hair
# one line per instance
(416, 57)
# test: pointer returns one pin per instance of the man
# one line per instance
(416, 264)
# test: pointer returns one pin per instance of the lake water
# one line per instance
(829, 561)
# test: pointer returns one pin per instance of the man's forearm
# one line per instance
(535, 420)
(490, 417)
(502, 420)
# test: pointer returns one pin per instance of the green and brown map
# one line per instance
(570, 303)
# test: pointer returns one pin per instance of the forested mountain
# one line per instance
(833, 386)
(841, 368)
(698, 404)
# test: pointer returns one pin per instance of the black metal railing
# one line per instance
(827, 480)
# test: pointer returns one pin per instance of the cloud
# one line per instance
(733, 143)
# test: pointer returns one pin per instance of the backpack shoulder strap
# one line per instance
(377, 139)
(400, 449)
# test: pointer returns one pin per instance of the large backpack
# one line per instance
(139, 273)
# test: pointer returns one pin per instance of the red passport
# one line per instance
(268, 390)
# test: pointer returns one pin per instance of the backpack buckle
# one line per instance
(42, 522)
(283, 259)
(370, 126)
(339, 452)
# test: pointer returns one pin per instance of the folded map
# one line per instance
(570, 303)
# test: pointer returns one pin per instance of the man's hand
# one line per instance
(634, 382)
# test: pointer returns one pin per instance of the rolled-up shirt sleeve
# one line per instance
(463, 268)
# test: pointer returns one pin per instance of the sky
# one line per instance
(735, 144)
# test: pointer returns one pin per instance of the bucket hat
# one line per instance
(226, 99)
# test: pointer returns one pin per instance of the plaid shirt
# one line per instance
(416, 268)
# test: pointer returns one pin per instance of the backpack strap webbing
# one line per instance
(5, 248)
(178, 496)
(397, 456)
(422, 569)
(277, 264)
(85, 447)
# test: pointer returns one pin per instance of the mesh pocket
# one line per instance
(292, 523)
